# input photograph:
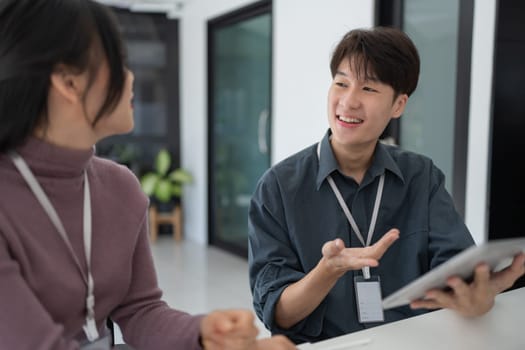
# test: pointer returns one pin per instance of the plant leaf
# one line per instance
(181, 176)
(163, 162)
(148, 182)
(176, 190)
(163, 190)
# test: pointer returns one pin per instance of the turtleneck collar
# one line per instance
(46, 159)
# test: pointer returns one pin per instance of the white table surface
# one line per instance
(503, 328)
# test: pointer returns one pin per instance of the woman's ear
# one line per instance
(67, 83)
(399, 105)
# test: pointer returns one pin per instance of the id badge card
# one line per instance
(102, 343)
(368, 299)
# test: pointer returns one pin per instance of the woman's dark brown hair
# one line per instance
(38, 35)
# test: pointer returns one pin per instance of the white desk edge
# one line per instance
(501, 328)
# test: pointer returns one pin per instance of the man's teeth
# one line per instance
(350, 120)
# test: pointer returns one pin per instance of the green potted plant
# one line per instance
(162, 185)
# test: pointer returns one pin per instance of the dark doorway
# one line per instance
(507, 188)
(152, 50)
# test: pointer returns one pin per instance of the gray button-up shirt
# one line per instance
(294, 211)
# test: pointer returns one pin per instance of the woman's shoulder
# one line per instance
(118, 179)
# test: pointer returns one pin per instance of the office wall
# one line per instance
(304, 34)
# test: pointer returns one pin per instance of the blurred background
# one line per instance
(231, 87)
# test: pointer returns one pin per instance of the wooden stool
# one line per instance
(174, 218)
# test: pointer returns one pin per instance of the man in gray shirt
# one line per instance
(351, 209)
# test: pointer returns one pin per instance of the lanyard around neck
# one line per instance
(348, 214)
(90, 328)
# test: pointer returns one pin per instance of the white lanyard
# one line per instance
(90, 328)
(348, 214)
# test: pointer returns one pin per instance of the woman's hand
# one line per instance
(235, 330)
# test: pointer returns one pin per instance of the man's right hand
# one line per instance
(300, 299)
(340, 259)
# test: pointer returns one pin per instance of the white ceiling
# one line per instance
(172, 8)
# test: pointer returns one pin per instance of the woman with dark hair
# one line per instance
(74, 247)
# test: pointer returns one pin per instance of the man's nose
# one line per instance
(350, 99)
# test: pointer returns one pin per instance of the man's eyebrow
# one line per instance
(341, 73)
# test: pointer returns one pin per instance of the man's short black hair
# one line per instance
(383, 53)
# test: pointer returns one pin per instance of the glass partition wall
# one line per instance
(435, 121)
(239, 78)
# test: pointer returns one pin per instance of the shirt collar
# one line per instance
(327, 161)
(382, 160)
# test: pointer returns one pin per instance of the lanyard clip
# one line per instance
(366, 272)
(90, 329)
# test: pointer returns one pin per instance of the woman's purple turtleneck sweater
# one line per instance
(42, 293)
